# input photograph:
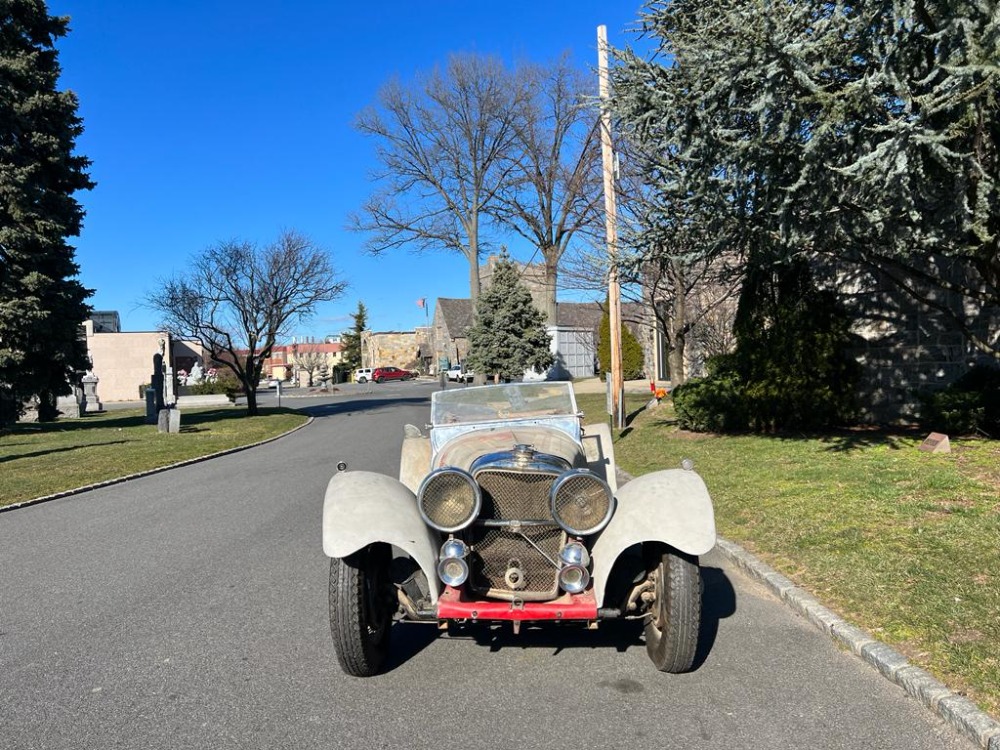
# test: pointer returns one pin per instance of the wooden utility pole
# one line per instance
(611, 230)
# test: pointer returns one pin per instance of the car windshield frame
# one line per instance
(492, 403)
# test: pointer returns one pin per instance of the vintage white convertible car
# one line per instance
(509, 510)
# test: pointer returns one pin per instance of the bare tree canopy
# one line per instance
(442, 142)
(554, 189)
(238, 299)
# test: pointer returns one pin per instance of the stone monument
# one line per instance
(73, 405)
(91, 403)
(154, 394)
(161, 406)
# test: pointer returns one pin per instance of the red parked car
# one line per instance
(390, 373)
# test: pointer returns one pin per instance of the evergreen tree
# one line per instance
(508, 335)
(352, 338)
(865, 133)
(632, 356)
(42, 305)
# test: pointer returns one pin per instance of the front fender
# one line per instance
(670, 506)
(362, 507)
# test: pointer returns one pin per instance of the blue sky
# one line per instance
(210, 120)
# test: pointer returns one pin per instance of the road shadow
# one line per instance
(102, 422)
(91, 422)
(408, 640)
(50, 451)
(361, 404)
(718, 603)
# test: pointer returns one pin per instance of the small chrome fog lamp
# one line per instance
(454, 548)
(575, 553)
(453, 571)
(573, 578)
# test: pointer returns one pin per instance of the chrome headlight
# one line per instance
(573, 579)
(449, 499)
(581, 502)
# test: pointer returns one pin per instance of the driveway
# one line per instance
(188, 609)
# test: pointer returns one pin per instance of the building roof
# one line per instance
(458, 315)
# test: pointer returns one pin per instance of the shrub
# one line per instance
(712, 404)
(633, 360)
(205, 388)
(970, 404)
(790, 369)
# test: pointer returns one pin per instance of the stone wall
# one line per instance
(391, 349)
(906, 347)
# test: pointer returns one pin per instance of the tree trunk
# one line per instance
(472, 254)
(474, 280)
(551, 309)
(47, 406)
(251, 400)
(678, 326)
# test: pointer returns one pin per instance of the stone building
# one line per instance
(408, 350)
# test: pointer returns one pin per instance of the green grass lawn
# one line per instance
(41, 459)
(902, 543)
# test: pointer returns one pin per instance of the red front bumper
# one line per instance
(455, 605)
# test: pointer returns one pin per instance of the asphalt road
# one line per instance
(188, 609)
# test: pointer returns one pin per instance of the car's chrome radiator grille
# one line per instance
(529, 550)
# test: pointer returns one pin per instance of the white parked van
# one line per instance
(363, 375)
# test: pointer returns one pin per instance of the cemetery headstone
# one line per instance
(91, 403)
(936, 442)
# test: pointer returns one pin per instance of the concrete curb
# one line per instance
(149, 472)
(958, 711)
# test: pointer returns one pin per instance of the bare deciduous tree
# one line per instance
(238, 299)
(442, 142)
(554, 190)
(694, 302)
(690, 301)
(309, 361)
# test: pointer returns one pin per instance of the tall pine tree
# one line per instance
(508, 336)
(42, 305)
(352, 339)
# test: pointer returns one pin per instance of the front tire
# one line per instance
(362, 380)
(361, 607)
(675, 615)
(378, 380)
